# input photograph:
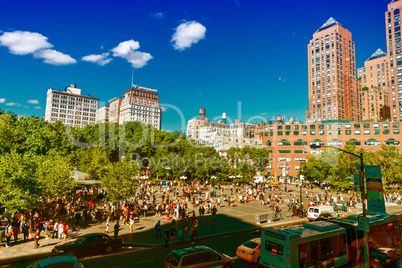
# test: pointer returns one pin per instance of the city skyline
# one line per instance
(198, 54)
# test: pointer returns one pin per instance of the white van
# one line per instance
(316, 211)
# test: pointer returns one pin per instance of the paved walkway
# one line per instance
(239, 218)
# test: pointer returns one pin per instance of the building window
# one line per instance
(280, 127)
(356, 142)
(284, 143)
(280, 133)
(300, 151)
(296, 127)
(376, 131)
(356, 126)
(385, 125)
(300, 142)
(295, 133)
(312, 127)
(376, 126)
(348, 126)
(321, 132)
(320, 126)
(372, 142)
(330, 132)
(385, 131)
(357, 132)
(284, 151)
(366, 132)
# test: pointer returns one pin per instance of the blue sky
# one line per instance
(216, 54)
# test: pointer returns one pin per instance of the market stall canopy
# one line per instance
(83, 178)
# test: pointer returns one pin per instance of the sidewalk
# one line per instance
(230, 220)
(144, 233)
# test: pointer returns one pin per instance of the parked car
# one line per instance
(250, 251)
(88, 245)
(197, 257)
(59, 261)
(385, 257)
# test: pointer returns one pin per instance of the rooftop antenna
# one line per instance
(132, 78)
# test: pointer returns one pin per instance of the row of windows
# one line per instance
(337, 126)
(369, 142)
(330, 132)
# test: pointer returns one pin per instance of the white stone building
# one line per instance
(70, 107)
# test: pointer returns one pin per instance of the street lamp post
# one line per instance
(363, 189)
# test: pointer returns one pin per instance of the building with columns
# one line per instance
(139, 104)
(222, 135)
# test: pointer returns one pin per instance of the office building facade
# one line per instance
(70, 107)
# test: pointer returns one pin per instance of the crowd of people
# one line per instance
(171, 202)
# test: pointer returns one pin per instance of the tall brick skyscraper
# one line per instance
(333, 88)
(393, 29)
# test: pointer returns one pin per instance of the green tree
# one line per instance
(119, 180)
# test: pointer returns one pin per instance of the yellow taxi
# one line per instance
(250, 251)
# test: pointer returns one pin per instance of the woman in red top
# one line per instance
(15, 231)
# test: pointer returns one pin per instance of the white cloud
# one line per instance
(25, 106)
(54, 57)
(128, 50)
(157, 15)
(263, 113)
(38, 107)
(188, 33)
(23, 43)
(101, 59)
(164, 109)
(3, 100)
(33, 101)
(13, 104)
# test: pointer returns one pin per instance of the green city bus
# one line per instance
(385, 233)
(316, 244)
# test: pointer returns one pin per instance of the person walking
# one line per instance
(192, 230)
(158, 229)
(182, 231)
(131, 217)
(61, 229)
(167, 236)
(37, 237)
(55, 229)
(172, 235)
(9, 233)
(25, 231)
(116, 229)
(15, 231)
(107, 224)
(214, 210)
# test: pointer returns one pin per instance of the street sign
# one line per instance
(357, 166)
(363, 224)
(356, 179)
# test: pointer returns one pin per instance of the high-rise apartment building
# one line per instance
(375, 87)
(141, 104)
(393, 28)
(70, 107)
(333, 88)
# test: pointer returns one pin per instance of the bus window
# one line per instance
(273, 247)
